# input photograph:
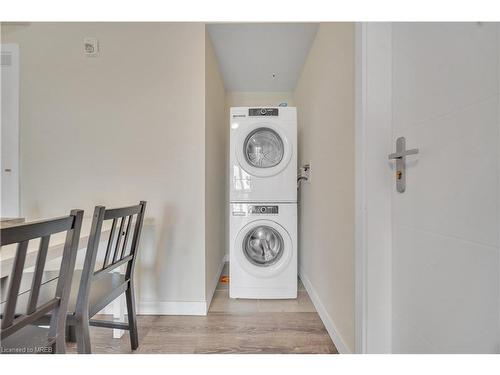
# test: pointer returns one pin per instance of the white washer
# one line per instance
(263, 159)
(263, 250)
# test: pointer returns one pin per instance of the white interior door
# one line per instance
(428, 259)
(10, 130)
(445, 226)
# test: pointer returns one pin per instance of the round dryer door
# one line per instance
(263, 248)
(263, 150)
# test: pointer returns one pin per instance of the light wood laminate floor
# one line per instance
(231, 326)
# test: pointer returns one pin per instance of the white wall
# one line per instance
(216, 145)
(324, 97)
(117, 128)
(257, 99)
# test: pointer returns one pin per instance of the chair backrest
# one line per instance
(126, 227)
(56, 306)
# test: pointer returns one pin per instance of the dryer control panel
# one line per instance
(263, 112)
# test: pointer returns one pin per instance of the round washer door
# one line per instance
(263, 150)
(263, 248)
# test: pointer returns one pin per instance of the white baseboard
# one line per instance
(182, 307)
(215, 282)
(172, 308)
(164, 308)
(323, 314)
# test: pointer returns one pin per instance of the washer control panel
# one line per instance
(263, 112)
(250, 209)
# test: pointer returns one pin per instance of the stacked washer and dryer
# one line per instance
(263, 202)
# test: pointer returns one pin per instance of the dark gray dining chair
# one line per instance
(99, 287)
(96, 286)
(18, 332)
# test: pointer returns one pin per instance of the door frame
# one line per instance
(13, 48)
(373, 188)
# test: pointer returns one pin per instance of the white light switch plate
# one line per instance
(90, 46)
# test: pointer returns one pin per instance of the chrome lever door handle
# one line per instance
(400, 157)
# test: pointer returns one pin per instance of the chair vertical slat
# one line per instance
(119, 239)
(82, 301)
(110, 244)
(63, 288)
(14, 284)
(129, 273)
(37, 277)
(127, 233)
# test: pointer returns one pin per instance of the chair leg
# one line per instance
(70, 333)
(132, 319)
(59, 347)
(83, 336)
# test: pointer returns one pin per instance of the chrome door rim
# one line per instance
(268, 155)
(263, 246)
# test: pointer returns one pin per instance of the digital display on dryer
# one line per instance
(263, 112)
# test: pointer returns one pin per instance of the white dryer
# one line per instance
(263, 160)
(263, 250)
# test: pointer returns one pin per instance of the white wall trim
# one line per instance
(172, 308)
(374, 179)
(11, 133)
(177, 307)
(360, 330)
(164, 308)
(215, 281)
(323, 314)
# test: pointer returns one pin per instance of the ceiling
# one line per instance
(250, 53)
